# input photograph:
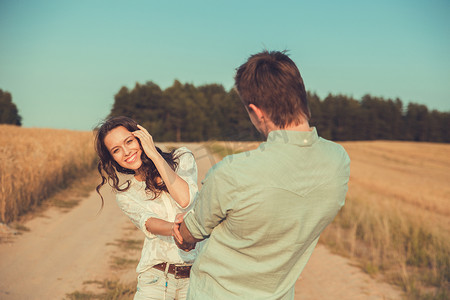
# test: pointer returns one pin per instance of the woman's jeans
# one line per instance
(158, 285)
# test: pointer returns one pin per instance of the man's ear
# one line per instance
(258, 112)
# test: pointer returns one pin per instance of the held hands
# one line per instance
(176, 228)
(178, 238)
(147, 142)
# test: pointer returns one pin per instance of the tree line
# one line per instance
(184, 112)
(344, 118)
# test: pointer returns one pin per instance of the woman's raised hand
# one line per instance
(177, 187)
(147, 142)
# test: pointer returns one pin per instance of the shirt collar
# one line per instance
(301, 138)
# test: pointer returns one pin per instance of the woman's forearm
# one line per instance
(178, 188)
(159, 227)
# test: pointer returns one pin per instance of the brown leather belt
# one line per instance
(179, 271)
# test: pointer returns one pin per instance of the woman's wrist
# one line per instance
(159, 226)
(157, 159)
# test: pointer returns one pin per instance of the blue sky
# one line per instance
(63, 61)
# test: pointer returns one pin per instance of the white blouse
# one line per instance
(136, 204)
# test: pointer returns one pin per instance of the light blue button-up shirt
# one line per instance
(262, 212)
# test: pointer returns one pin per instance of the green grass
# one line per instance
(111, 290)
(128, 244)
(20, 227)
(120, 263)
(70, 195)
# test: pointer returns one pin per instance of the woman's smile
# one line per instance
(132, 158)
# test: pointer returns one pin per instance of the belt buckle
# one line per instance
(175, 272)
(180, 271)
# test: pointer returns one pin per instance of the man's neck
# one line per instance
(304, 126)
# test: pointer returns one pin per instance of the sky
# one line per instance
(63, 61)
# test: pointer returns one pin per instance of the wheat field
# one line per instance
(396, 220)
(34, 162)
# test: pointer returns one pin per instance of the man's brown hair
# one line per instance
(271, 81)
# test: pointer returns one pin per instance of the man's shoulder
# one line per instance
(334, 157)
(332, 147)
(232, 165)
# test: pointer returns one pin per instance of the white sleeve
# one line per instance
(137, 213)
(187, 170)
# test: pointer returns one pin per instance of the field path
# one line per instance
(60, 252)
(63, 250)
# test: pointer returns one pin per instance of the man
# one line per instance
(263, 210)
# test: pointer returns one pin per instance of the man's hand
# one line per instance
(177, 234)
(176, 228)
(185, 246)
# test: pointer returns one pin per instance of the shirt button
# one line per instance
(305, 141)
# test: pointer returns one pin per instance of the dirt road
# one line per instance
(62, 250)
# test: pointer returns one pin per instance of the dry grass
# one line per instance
(396, 220)
(36, 162)
(110, 290)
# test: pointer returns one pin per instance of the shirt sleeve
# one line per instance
(137, 213)
(213, 203)
(190, 256)
(187, 170)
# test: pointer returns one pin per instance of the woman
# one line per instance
(163, 185)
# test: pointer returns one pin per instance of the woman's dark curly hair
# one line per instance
(107, 166)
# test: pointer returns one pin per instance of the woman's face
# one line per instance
(124, 148)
